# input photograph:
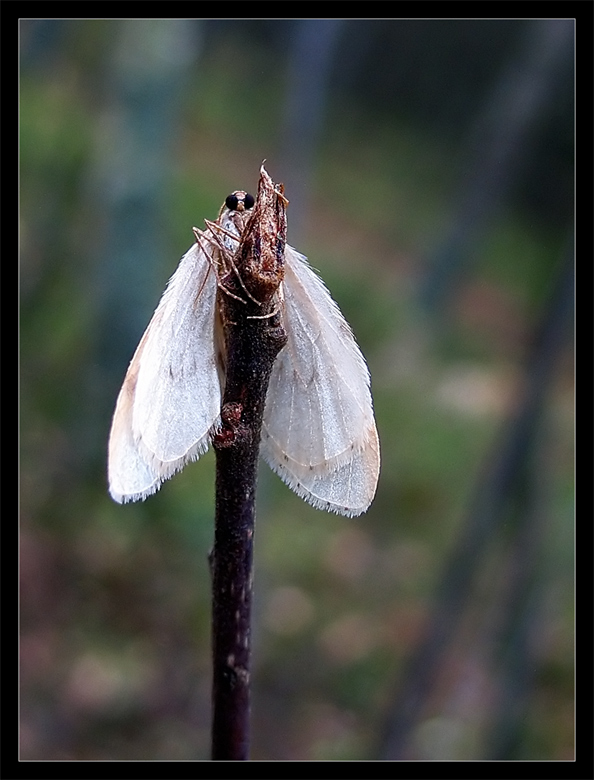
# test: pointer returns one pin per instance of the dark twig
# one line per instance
(253, 339)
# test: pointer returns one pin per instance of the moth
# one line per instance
(318, 434)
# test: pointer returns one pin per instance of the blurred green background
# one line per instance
(429, 168)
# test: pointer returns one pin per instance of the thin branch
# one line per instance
(252, 343)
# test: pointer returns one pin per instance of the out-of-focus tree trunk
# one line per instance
(143, 90)
(498, 139)
(310, 62)
(502, 495)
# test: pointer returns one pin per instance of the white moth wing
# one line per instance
(319, 431)
(171, 395)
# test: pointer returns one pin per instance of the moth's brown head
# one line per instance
(239, 201)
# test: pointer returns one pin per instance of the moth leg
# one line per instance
(279, 192)
(281, 301)
(200, 237)
(213, 226)
(262, 316)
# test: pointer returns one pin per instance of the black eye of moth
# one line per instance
(248, 200)
(231, 202)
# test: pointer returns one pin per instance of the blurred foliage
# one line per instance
(115, 600)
